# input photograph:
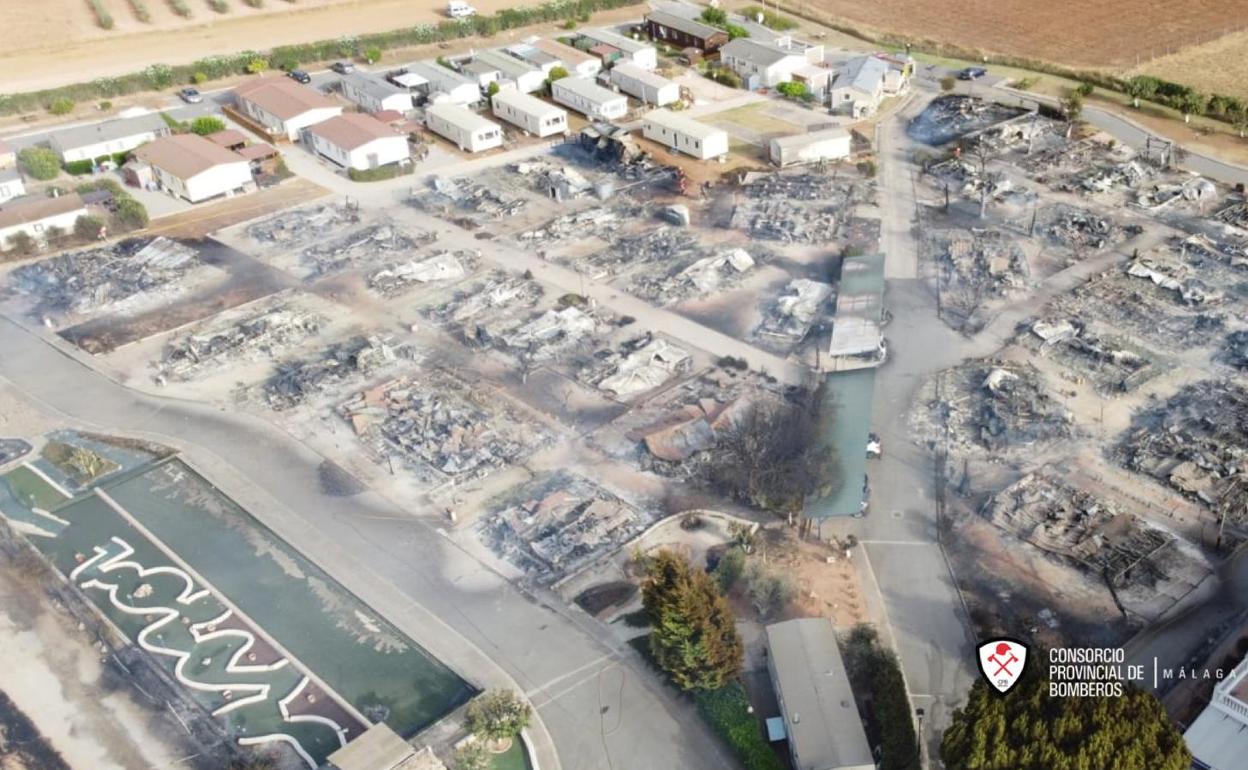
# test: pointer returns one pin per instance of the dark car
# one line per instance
(191, 95)
(972, 73)
(299, 76)
(342, 67)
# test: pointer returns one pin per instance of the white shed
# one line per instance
(684, 134)
(374, 94)
(589, 99)
(468, 130)
(530, 113)
(828, 144)
(645, 85)
(359, 141)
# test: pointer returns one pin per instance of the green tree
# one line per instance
(1027, 729)
(471, 756)
(257, 65)
(874, 670)
(207, 124)
(1084, 89)
(693, 634)
(769, 591)
(61, 106)
(715, 16)
(1072, 106)
(40, 162)
(87, 228)
(131, 214)
(556, 73)
(793, 90)
(492, 88)
(199, 78)
(372, 54)
(498, 715)
(736, 31)
(1193, 103)
(728, 570)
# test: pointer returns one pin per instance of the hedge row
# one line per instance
(161, 76)
(381, 173)
(727, 712)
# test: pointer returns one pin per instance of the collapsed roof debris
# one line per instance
(1112, 366)
(394, 279)
(1235, 349)
(550, 334)
(701, 277)
(636, 366)
(795, 311)
(297, 381)
(307, 225)
(364, 246)
(260, 334)
(1081, 229)
(991, 406)
(951, 117)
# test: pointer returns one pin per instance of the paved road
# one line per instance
(603, 711)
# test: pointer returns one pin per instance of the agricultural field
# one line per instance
(1119, 34)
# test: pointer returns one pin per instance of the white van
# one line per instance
(457, 9)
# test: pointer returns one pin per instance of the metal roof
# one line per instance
(373, 85)
(526, 103)
(506, 63)
(681, 124)
(863, 73)
(762, 54)
(461, 117)
(824, 728)
(587, 89)
(614, 39)
(682, 24)
(108, 131)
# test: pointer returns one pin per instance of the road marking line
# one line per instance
(571, 673)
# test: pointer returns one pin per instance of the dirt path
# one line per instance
(50, 61)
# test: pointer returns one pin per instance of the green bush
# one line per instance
(131, 215)
(87, 228)
(373, 54)
(257, 65)
(22, 244)
(875, 670)
(61, 106)
(102, 16)
(793, 90)
(727, 712)
(725, 76)
(199, 78)
(105, 105)
(140, 11)
(220, 6)
(206, 125)
(40, 163)
(380, 173)
(79, 167)
(180, 8)
(728, 571)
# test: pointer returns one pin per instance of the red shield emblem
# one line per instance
(1001, 661)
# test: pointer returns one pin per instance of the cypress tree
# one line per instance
(693, 633)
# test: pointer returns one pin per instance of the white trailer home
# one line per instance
(529, 113)
(635, 51)
(373, 93)
(358, 141)
(99, 140)
(591, 100)
(283, 106)
(645, 85)
(433, 79)
(468, 130)
(526, 77)
(196, 169)
(828, 144)
(684, 134)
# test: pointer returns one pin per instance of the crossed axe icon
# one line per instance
(1003, 665)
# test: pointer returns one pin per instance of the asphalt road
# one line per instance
(602, 710)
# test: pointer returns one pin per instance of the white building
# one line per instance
(359, 141)
(8, 156)
(468, 130)
(35, 216)
(373, 93)
(283, 106)
(767, 65)
(862, 83)
(591, 100)
(526, 77)
(100, 140)
(574, 60)
(635, 51)
(828, 144)
(645, 85)
(1218, 739)
(529, 113)
(538, 57)
(11, 184)
(440, 84)
(192, 167)
(684, 134)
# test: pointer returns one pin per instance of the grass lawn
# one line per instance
(31, 490)
(514, 758)
(754, 118)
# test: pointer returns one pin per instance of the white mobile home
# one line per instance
(829, 144)
(283, 106)
(468, 130)
(108, 138)
(543, 60)
(373, 94)
(36, 216)
(574, 60)
(592, 101)
(644, 85)
(530, 113)
(526, 77)
(196, 169)
(641, 54)
(435, 79)
(359, 142)
(684, 134)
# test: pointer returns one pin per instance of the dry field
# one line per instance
(1118, 34)
(1217, 67)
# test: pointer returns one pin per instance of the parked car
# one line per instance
(299, 76)
(457, 9)
(972, 73)
(191, 95)
(342, 67)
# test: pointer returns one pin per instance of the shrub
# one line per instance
(770, 591)
(102, 16)
(220, 6)
(206, 125)
(159, 76)
(199, 78)
(727, 710)
(493, 88)
(471, 756)
(254, 3)
(1084, 89)
(62, 106)
(285, 61)
(105, 105)
(947, 83)
(867, 168)
(770, 19)
(131, 214)
(372, 54)
(736, 31)
(180, 8)
(139, 7)
(715, 16)
(570, 24)
(556, 73)
(257, 65)
(727, 77)
(79, 167)
(22, 243)
(729, 362)
(873, 669)
(793, 90)
(381, 173)
(87, 227)
(40, 162)
(728, 571)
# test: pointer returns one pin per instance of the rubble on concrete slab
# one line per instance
(1081, 229)
(953, 116)
(1112, 365)
(596, 222)
(991, 406)
(468, 196)
(796, 311)
(976, 265)
(1197, 443)
(482, 309)
(305, 225)
(365, 246)
(559, 523)
(439, 426)
(88, 280)
(1176, 279)
(1235, 350)
(1234, 214)
(297, 381)
(443, 267)
(551, 334)
(699, 278)
(636, 366)
(212, 346)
